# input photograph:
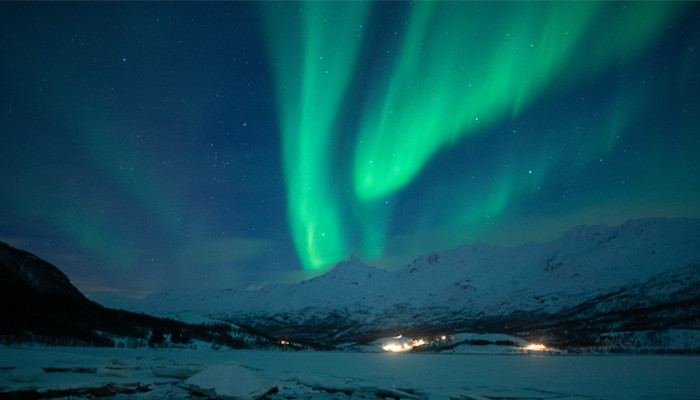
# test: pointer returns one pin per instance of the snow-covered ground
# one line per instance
(166, 373)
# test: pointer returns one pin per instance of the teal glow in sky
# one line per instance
(456, 71)
(463, 67)
(236, 144)
(312, 80)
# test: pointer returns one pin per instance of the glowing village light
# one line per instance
(401, 346)
(396, 348)
(535, 347)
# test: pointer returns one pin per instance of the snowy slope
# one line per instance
(468, 283)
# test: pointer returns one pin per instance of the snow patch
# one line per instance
(229, 380)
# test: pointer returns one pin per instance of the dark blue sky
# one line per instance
(153, 145)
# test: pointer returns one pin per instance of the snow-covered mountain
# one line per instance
(599, 269)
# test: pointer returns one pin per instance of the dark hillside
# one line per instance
(39, 304)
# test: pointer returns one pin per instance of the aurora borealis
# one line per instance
(312, 82)
(153, 145)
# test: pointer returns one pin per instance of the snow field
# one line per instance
(337, 375)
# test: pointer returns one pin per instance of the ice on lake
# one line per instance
(158, 373)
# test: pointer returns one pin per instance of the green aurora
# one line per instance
(236, 144)
(457, 70)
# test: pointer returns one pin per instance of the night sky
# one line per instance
(146, 146)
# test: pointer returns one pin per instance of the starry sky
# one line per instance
(146, 146)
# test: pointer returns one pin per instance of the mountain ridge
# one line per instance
(465, 288)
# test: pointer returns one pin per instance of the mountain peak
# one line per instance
(353, 262)
(353, 269)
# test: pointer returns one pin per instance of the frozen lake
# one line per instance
(324, 375)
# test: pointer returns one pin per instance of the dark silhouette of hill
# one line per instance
(39, 304)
